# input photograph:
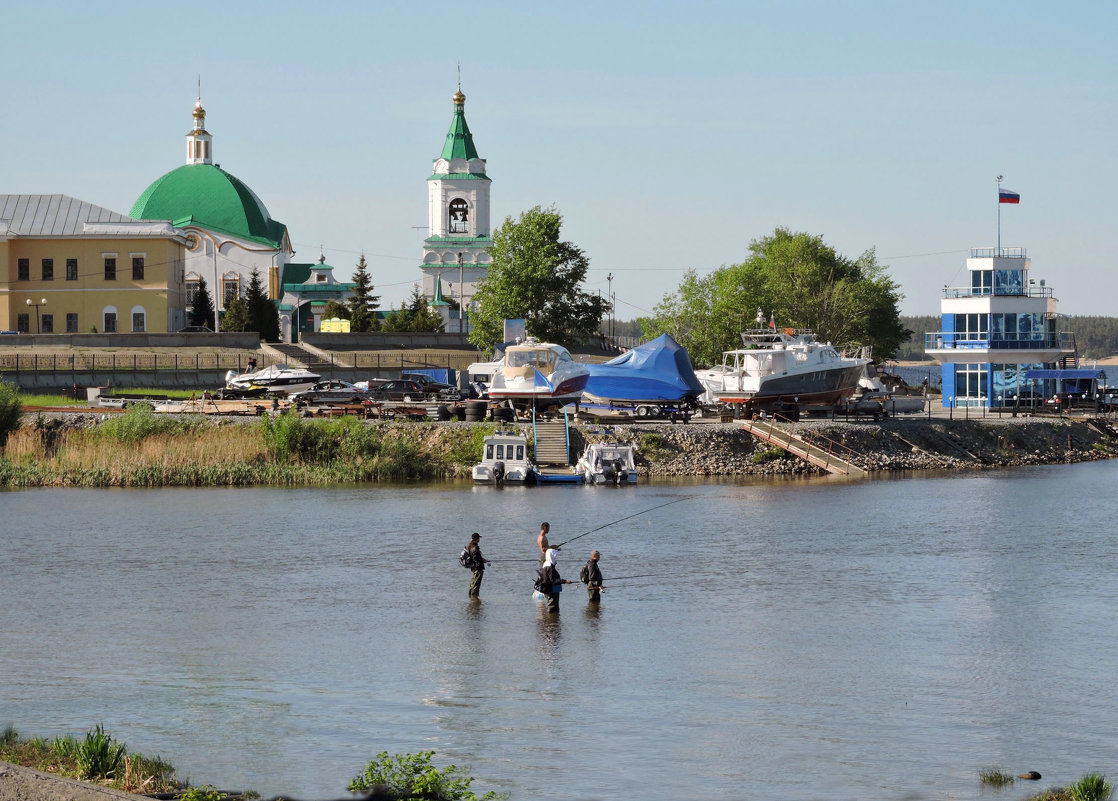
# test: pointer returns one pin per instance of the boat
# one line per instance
(650, 380)
(504, 460)
(272, 379)
(538, 373)
(609, 463)
(872, 395)
(782, 368)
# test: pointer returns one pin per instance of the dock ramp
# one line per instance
(824, 457)
(552, 448)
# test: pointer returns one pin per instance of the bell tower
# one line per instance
(198, 139)
(455, 253)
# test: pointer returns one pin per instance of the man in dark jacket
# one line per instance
(477, 565)
(594, 578)
(551, 583)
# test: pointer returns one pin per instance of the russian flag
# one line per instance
(1005, 196)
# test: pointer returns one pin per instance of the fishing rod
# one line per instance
(615, 522)
(619, 578)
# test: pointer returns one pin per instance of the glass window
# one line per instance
(71, 323)
(23, 323)
(48, 269)
(110, 322)
(46, 325)
(230, 288)
(520, 452)
(489, 450)
(981, 282)
(23, 270)
(137, 268)
(500, 451)
(138, 321)
(71, 269)
(110, 269)
(191, 291)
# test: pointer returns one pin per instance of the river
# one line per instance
(799, 639)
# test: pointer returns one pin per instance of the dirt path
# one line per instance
(24, 784)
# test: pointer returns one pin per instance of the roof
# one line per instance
(458, 176)
(208, 197)
(458, 241)
(62, 215)
(459, 140)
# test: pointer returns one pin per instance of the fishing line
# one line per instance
(615, 522)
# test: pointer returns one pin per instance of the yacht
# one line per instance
(782, 366)
(504, 460)
(272, 379)
(532, 373)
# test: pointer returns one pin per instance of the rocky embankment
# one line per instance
(897, 444)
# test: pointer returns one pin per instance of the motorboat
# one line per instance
(782, 367)
(872, 395)
(535, 373)
(648, 381)
(275, 379)
(504, 460)
(609, 463)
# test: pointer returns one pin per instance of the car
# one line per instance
(196, 329)
(397, 390)
(333, 391)
(430, 385)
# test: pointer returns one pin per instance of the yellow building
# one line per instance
(67, 266)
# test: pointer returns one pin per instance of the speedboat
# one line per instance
(872, 395)
(504, 460)
(609, 463)
(782, 367)
(534, 372)
(272, 379)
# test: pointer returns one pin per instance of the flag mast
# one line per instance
(999, 250)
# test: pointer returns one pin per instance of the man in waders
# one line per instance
(477, 564)
(592, 577)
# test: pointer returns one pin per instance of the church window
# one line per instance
(71, 269)
(138, 321)
(459, 216)
(192, 287)
(110, 322)
(230, 288)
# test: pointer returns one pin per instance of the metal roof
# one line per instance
(52, 215)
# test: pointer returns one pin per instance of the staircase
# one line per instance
(296, 356)
(551, 442)
(771, 433)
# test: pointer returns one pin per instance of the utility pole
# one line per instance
(461, 296)
(609, 294)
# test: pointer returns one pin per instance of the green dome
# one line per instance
(208, 197)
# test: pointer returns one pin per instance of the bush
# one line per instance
(11, 410)
(1092, 787)
(411, 777)
(140, 421)
(98, 756)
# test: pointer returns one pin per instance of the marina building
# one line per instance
(455, 252)
(70, 267)
(1000, 343)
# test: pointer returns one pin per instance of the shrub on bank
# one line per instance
(412, 776)
(11, 410)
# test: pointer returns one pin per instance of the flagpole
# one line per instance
(999, 250)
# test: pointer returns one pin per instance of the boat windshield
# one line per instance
(542, 359)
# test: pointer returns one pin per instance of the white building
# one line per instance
(455, 254)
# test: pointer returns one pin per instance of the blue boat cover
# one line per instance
(659, 370)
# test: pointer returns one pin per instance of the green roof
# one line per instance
(438, 299)
(458, 176)
(208, 197)
(458, 241)
(459, 140)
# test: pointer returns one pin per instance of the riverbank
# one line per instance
(140, 449)
(18, 783)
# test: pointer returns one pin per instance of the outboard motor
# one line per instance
(619, 474)
(499, 473)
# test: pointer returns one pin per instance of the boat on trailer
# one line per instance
(538, 374)
(273, 379)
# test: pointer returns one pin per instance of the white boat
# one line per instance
(609, 463)
(873, 395)
(272, 379)
(782, 367)
(534, 372)
(504, 460)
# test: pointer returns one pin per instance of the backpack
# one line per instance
(584, 574)
(542, 583)
(466, 559)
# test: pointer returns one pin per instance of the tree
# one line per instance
(800, 282)
(263, 316)
(537, 277)
(421, 317)
(11, 410)
(202, 310)
(236, 315)
(336, 310)
(363, 303)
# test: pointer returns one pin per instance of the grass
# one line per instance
(767, 455)
(96, 758)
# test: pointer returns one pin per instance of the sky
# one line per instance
(669, 135)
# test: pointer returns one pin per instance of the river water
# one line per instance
(799, 639)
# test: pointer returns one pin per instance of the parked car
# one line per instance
(398, 390)
(433, 387)
(330, 391)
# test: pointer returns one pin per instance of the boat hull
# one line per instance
(816, 387)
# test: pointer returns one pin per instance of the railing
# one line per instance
(134, 362)
(997, 253)
(1001, 292)
(950, 340)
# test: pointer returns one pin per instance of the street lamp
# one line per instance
(42, 302)
(461, 297)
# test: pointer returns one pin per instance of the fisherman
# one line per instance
(541, 541)
(593, 577)
(477, 564)
(550, 583)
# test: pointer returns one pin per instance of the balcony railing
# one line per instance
(950, 340)
(1032, 291)
(997, 253)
